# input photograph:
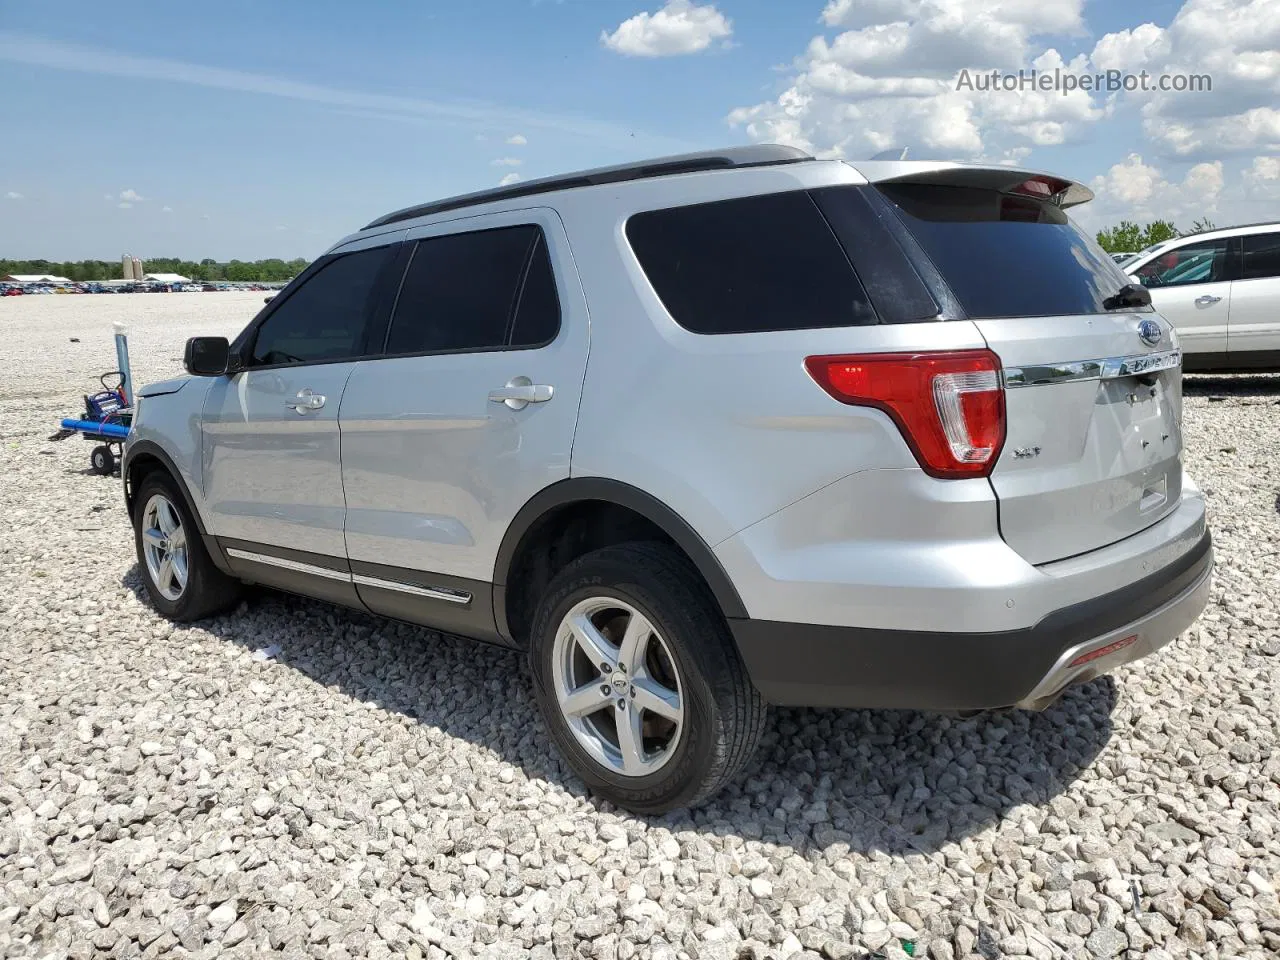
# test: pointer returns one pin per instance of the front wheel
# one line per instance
(639, 680)
(179, 576)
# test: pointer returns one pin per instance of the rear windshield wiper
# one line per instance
(1128, 296)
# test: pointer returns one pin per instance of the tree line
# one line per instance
(237, 271)
(1126, 237)
(1129, 237)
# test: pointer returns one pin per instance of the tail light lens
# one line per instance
(949, 406)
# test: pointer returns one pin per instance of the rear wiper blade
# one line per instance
(1130, 295)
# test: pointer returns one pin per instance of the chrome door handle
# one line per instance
(1206, 300)
(520, 392)
(306, 400)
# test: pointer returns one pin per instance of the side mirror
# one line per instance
(207, 356)
(268, 299)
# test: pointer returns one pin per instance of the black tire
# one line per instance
(208, 590)
(102, 460)
(724, 713)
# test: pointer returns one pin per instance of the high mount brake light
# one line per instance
(948, 405)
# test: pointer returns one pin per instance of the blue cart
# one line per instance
(106, 420)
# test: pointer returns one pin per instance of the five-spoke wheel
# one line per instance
(640, 681)
(164, 545)
(180, 577)
(618, 686)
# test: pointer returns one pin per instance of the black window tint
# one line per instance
(538, 316)
(324, 318)
(755, 264)
(896, 289)
(459, 292)
(1261, 256)
(1204, 262)
(1004, 255)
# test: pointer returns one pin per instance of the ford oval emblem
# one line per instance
(1149, 332)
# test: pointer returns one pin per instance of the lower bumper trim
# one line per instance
(799, 664)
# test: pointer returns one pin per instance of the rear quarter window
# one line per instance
(749, 265)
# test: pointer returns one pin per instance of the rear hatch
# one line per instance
(1092, 386)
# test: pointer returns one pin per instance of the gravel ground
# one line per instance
(384, 791)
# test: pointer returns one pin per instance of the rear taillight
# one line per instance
(949, 406)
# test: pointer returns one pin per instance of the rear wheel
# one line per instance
(640, 681)
(179, 576)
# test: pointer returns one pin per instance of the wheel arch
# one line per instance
(586, 492)
(143, 458)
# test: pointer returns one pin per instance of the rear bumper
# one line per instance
(804, 664)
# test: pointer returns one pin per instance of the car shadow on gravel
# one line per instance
(894, 781)
(1231, 385)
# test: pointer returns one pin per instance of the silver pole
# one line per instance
(122, 359)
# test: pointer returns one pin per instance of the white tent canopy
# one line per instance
(166, 278)
(34, 278)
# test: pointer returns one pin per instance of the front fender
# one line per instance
(167, 426)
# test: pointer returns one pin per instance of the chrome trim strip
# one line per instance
(1168, 622)
(1108, 368)
(431, 593)
(293, 565)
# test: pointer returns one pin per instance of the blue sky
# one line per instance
(251, 130)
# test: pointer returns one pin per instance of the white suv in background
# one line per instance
(698, 435)
(1221, 290)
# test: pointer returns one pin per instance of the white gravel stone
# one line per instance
(379, 790)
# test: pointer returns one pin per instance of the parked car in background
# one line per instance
(697, 435)
(1221, 290)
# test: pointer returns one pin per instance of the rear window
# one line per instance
(749, 265)
(1004, 255)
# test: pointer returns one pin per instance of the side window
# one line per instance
(1261, 256)
(1204, 262)
(324, 319)
(482, 290)
(748, 265)
(537, 319)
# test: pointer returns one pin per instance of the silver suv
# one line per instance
(700, 435)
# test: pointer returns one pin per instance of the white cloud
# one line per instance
(124, 204)
(680, 27)
(108, 196)
(517, 140)
(131, 196)
(166, 209)
(891, 79)
(1236, 43)
(506, 162)
(1262, 179)
(1129, 49)
(509, 179)
(1136, 190)
(13, 195)
(883, 74)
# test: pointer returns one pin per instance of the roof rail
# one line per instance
(758, 155)
(1238, 226)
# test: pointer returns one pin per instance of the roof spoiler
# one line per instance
(1015, 180)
